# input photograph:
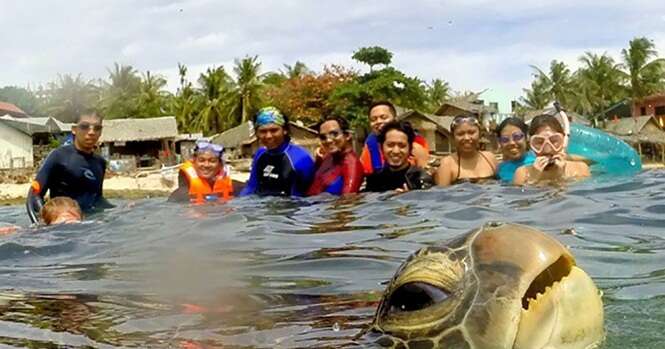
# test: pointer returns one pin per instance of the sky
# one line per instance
(472, 44)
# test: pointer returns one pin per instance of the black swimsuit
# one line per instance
(474, 179)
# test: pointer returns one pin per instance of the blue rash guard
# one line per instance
(72, 173)
(507, 169)
(284, 171)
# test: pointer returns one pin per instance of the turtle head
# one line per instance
(500, 286)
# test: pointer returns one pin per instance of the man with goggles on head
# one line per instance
(204, 178)
(279, 167)
(547, 141)
(73, 170)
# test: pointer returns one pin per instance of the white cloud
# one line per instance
(473, 44)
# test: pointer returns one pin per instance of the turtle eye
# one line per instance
(416, 296)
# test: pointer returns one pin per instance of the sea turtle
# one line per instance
(497, 287)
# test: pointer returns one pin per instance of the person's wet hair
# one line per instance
(385, 103)
(402, 126)
(512, 121)
(94, 112)
(343, 124)
(57, 205)
(544, 120)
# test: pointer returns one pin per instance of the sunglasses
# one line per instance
(84, 126)
(332, 135)
(538, 142)
(460, 120)
(516, 137)
(207, 146)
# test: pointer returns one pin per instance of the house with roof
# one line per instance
(25, 141)
(651, 105)
(12, 110)
(435, 129)
(145, 142)
(241, 142)
(642, 132)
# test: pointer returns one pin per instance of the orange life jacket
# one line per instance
(199, 188)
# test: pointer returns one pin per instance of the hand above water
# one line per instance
(542, 163)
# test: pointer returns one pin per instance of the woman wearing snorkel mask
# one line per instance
(548, 142)
(469, 163)
(279, 167)
(204, 178)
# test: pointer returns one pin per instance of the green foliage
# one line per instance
(646, 76)
(67, 96)
(353, 98)
(119, 95)
(23, 98)
(436, 92)
(372, 56)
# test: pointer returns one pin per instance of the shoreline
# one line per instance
(116, 187)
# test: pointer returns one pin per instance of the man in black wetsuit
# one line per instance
(73, 170)
(396, 141)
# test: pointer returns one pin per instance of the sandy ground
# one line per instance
(116, 186)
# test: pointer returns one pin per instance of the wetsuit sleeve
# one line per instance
(253, 182)
(353, 175)
(102, 202)
(304, 168)
(40, 186)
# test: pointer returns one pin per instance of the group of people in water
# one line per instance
(394, 158)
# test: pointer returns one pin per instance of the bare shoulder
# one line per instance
(578, 169)
(490, 156)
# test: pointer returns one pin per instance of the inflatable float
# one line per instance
(607, 154)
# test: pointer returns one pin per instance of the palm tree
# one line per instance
(646, 76)
(184, 105)
(68, 96)
(152, 98)
(120, 95)
(437, 92)
(244, 97)
(215, 85)
(539, 95)
(600, 81)
(559, 82)
(297, 70)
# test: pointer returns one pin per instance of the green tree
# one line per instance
(297, 70)
(152, 99)
(67, 96)
(646, 72)
(372, 56)
(559, 82)
(600, 83)
(437, 92)
(184, 104)
(538, 96)
(212, 116)
(23, 98)
(244, 95)
(120, 95)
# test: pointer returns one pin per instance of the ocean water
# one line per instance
(283, 273)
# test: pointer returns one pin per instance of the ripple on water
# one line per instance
(305, 273)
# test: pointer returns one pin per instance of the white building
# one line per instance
(16, 138)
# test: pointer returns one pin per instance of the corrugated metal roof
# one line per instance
(129, 130)
(10, 108)
(32, 126)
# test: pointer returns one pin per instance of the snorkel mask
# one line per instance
(216, 149)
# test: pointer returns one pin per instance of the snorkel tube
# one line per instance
(608, 154)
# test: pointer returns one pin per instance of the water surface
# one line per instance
(281, 273)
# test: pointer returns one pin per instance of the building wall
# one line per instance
(15, 148)
(652, 106)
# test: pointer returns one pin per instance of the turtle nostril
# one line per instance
(416, 296)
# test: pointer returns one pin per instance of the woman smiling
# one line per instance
(469, 163)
